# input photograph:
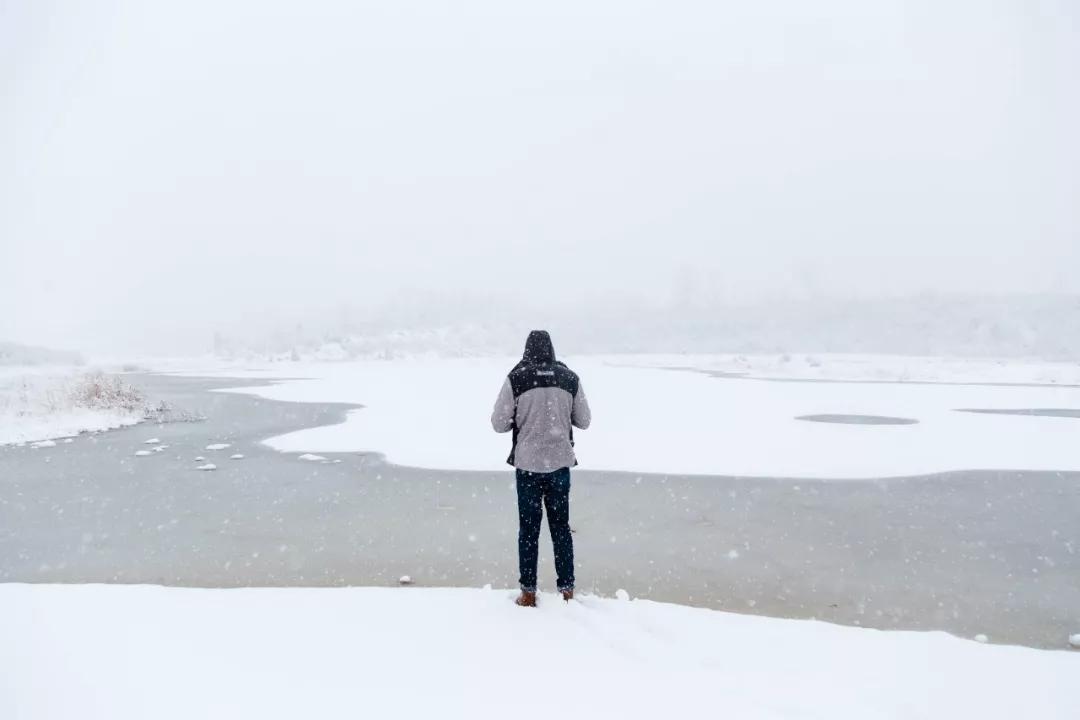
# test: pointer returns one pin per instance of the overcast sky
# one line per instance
(169, 166)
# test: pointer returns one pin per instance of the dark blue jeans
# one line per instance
(536, 491)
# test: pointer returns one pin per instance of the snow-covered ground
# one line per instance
(39, 403)
(873, 368)
(120, 652)
(434, 413)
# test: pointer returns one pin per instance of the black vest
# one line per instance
(526, 376)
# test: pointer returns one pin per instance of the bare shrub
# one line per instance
(96, 391)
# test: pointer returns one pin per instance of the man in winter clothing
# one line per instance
(542, 401)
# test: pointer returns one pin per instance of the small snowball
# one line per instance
(621, 594)
(207, 466)
(405, 580)
(980, 638)
(1074, 640)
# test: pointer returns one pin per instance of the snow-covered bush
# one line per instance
(96, 391)
(35, 405)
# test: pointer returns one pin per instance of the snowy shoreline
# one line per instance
(122, 652)
(52, 402)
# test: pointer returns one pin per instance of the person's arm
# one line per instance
(580, 415)
(502, 417)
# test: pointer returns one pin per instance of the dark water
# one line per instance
(993, 552)
(858, 419)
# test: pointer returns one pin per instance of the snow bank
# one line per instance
(119, 652)
(435, 414)
(36, 404)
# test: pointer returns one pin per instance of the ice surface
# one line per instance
(683, 421)
(132, 652)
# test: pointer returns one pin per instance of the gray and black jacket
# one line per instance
(542, 402)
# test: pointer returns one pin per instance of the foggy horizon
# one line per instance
(174, 171)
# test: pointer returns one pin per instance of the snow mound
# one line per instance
(43, 444)
(207, 466)
(237, 456)
(311, 458)
(151, 441)
(218, 446)
(1074, 640)
(142, 453)
(125, 652)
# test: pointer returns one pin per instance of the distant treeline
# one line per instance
(1009, 326)
(15, 354)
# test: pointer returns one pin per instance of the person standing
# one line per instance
(542, 402)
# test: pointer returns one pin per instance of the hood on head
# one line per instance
(538, 348)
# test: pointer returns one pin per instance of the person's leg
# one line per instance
(530, 515)
(557, 502)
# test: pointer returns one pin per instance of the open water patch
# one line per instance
(843, 419)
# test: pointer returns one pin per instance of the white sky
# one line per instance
(165, 166)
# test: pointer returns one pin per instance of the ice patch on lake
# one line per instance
(668, 421)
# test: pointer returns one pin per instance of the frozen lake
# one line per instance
(970, 552)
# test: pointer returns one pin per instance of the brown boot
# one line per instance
(568, 595)
(526, 599)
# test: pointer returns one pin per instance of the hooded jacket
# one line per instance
(542, 402)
